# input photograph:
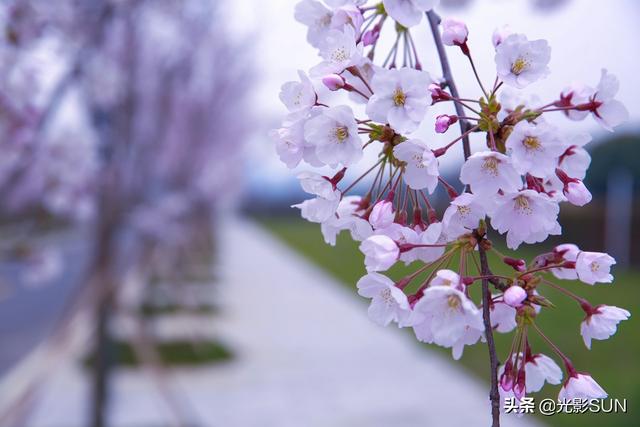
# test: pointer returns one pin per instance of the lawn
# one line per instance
(613, 363)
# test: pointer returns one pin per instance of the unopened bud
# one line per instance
(514, 296)
(517, 264)
(577, 193)
(333, 81)
(454, 32)
(370, 37)
(443, 122)
(382, 214)
(437, 94)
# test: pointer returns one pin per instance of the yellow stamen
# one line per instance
(342, 133)
(522, 204)
(531, 143)
(339, 55)
(386, 296)
(519, 66)
(490, 166)
(453, 302)
(464, 210)
(399, 97)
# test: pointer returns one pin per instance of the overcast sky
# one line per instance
(584, 37)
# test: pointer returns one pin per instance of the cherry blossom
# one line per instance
(408, 12)
(594, 267)
(575, 160)
(445, 316)
(291, 145)
(602, 323)
(334, 134)
(347, 217)
(447, 278)
(574, 95)
(400, 98)
(526, 216)
(388, 303)
(503, 317)
(318, 185)
(539, 369)
(380, 252)
(317, 17)
(298, 96)
(533, 148)
(421, 170)
(317, 209)
(581, 386)
(432, 235)
(488, 172)
(463, 214)
(339, 52)
(607, 111)
(521, 62)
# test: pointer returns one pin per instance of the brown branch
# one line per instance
(434, 21)
(494, 395)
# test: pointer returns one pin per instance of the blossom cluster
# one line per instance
(515, 179)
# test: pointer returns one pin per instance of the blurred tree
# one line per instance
(126, 117)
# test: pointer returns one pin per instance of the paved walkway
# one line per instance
(307, 357)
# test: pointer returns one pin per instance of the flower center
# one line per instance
(324, 21)
(531, 143)
(453, 301)
(418, 160)
(339, 55)
(341, 133)
(463, 211)
(399, 97)
(594, 267)
(490, 166)
(519, 66)
(385, 294)
(298, 99)
(522, 205)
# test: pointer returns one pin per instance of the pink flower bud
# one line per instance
(514, 296)
(333, 81)
(437, 94)
(370, 37)
(382, 214)
(519, 386)
(506, 379)
(443, 122)
(516, 264)
(577, 193)
(454, 32)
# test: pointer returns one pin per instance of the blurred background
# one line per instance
(152, 272)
